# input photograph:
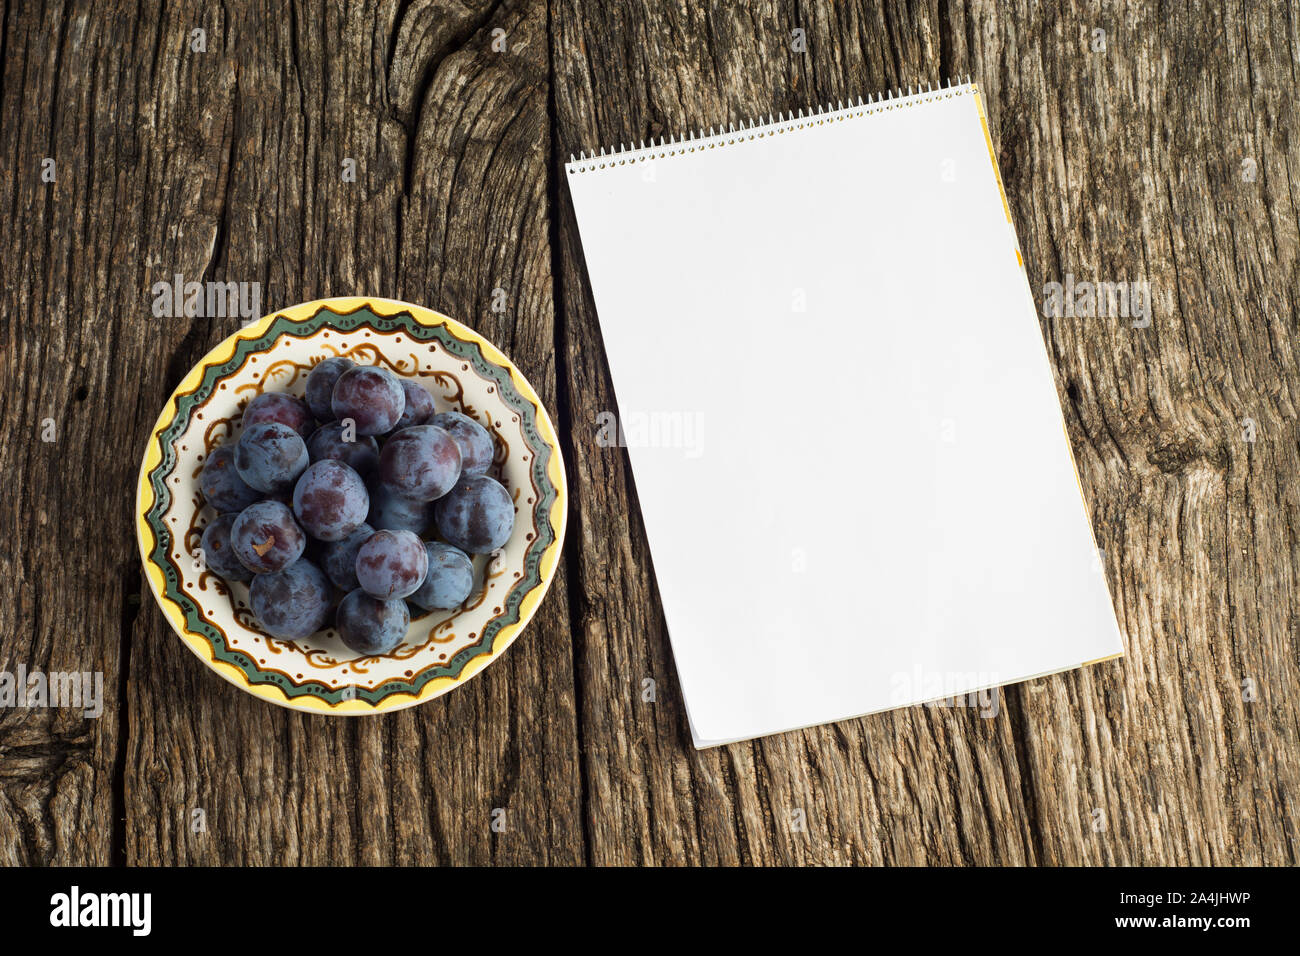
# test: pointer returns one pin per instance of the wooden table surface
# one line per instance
(1168, 154)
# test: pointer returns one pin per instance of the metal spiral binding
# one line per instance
(628, 153)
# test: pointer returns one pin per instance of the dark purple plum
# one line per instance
(449, 581)
(420, 462)
(369, 625)
(419, 405)
(217, 553)
(330, 500)
(330, 441)
(283, 408)
(391, 564)
(266, 538)
(339, 558)
(391, 511)
(293, 603)
(270, 456)
(221, 485)
(320, 386)
(476, 516)
(371, 397)
(475, 443)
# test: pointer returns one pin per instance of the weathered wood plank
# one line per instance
(1128, 163)
(225, 163)
(915, 786)
(450, 141)
(1118, 167)
(67, 557)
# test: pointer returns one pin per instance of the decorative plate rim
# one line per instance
(303, 698)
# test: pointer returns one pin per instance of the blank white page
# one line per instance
(841, 417)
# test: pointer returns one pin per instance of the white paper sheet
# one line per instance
(841, 418)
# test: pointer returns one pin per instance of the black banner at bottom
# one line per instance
(930, 906)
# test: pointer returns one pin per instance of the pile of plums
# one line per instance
(307, 510)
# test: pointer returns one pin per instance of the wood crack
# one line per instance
(576, 596)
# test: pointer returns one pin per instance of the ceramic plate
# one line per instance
(442, 649)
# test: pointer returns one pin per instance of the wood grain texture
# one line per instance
(913, 786)
(450, 142)
(1119, 164)
(226, 165)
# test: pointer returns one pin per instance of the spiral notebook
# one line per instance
(841, 417)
